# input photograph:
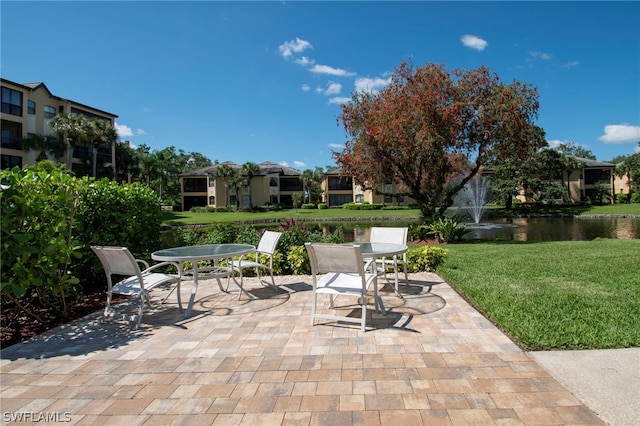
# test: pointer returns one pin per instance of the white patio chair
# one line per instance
(338, 270)
(395, 236)
(266, 246)
(120, 261)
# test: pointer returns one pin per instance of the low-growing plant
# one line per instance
(448, 229)
(425, 258)
(322, 206)
(298, 260)
(622, 198)
(308, 206)
(635, 197)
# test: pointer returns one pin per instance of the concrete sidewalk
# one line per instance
(432, 359)
(607, 381)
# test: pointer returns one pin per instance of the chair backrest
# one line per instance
(117, 260)
(335, 258)
(389, 235)
(269, 241)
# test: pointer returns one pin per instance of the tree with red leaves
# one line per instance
(432, 131)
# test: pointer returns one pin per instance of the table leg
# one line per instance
(376, 297)
(194, 290)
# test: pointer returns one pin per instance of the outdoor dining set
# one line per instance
(349, 269)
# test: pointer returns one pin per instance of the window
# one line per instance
(31, 108)
(339, 199)
(400, 199)
(273, 182)
(10, 161)
(49, 111)
(359, 198)
(212, 201)
(388, 199)
(212, 181)
(245, 201)
(194, 185)
(340, 183)
(81, 152)
(11, 102)
(11, 135)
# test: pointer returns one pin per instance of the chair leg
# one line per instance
(313, 309)
(364, 313)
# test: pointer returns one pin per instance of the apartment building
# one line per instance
(27, 110)
(273, 184)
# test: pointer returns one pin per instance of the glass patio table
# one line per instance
(193, 254)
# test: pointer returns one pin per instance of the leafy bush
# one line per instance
(448, 229)
(622, 198)
(115, 214)
(362, 206)
(425, 258)
(247, 235)
(635, 197)
(308, 206)
(220, 233)
(38, 240)
(395, 208)
(322, 206)
(298, 260)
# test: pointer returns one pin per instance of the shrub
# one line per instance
(448, 229)
(395, 208)
(298, 260)
(425, 258)
(109, 213)
(322, 206)
(220, 233)
(362, 206)
(308, 206)
(38, 240)
(247, 235)
(622, 198)
(635, 197)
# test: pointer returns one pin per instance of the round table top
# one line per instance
(380, 249)
(202, 252)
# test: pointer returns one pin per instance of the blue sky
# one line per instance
(262, 81)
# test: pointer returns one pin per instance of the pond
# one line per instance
(516, 229)
(520, 229)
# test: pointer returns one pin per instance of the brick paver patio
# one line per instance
(432, 360)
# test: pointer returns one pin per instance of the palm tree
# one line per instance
(237, 181)
(307, 179)
(249, 170)
(100, 132)
(225, 172)
(72, 129)
(45, 145)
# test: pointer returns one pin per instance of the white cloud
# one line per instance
(339, 100)
(122, 130)
(284, 163)
(372, 85)
(336, 146)
(304, 61)
(554, 143)
(140, 132)
(620, 133)
(299, 164)
(288, 48)
(637, 149)
(333, 88)
(146, 109)
(326, 69)
(571, 64)
(305, 87)
(474, 42)
(542, 56)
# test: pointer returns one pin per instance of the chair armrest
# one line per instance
(144, 263)
(158, 265)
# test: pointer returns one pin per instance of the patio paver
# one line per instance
(432, 360)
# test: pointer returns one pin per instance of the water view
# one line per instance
(519, 229)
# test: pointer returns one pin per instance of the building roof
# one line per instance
(265, 168)
(587, 162)
(34, 86)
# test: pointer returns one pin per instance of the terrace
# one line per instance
(432, 360)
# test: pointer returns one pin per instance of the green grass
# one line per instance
(555, 295)
(188, 218)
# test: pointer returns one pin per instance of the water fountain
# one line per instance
(474, 197)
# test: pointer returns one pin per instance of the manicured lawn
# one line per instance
(188, 218)
(555, 295)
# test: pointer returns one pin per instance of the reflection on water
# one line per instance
(517, 229)
(558, 229)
